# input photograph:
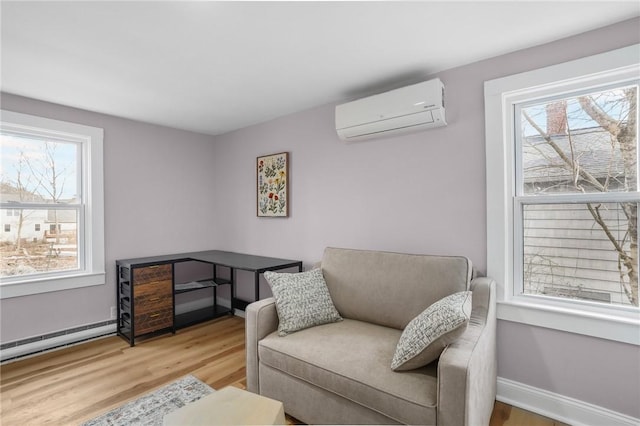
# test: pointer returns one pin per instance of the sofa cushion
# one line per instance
(434, 329)
(391, 288)
(302, 300)
(351, 359)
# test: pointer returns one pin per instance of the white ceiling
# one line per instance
(213, 67)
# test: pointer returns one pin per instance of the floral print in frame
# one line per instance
(273, 185)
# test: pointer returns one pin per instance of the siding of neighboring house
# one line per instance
(61, 224)
(33, 221)
(29, 232)
(567, 253)
(37, 224)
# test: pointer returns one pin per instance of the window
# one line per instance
(562, 195)
(7, 227)
(576, 162)
(51, 175)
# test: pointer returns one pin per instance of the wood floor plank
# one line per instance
(78, 383)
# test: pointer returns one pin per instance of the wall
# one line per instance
(158, 200)
(420, 193)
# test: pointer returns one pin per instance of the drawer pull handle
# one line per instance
(154, 315)
(154, 299)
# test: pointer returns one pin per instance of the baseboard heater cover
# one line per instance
(23, 348)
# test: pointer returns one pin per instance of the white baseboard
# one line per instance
(40, 346)
(559, 407)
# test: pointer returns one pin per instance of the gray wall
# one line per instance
(169, 191)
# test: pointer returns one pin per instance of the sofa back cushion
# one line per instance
(390, 289)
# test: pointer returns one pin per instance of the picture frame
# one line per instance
(272, 185)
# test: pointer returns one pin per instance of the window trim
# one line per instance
(92, 245)
(501, 95)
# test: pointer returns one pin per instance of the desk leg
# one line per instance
(232, 276)
(257, 286)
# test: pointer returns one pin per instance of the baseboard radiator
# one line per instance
(18, 349)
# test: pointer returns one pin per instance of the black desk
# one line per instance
(234, 261)
(244, 262)
(129, 314)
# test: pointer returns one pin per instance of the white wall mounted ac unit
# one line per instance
(408, 109)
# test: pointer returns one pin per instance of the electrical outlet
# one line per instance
(113, 312)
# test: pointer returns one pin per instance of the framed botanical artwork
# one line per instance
(273, 185)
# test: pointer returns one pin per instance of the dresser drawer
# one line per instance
(152, 321)
(153, 273)
(153, 296)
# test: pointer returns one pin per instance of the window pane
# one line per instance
(29, 249)
(38, 170)
(581, 144)
(582, 251)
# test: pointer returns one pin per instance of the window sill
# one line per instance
(46, 285)
(620, 328)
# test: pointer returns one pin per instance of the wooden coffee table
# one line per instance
(228, 406)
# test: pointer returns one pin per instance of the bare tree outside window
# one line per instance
(585, 144)
(39, 182)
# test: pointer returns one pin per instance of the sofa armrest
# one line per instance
(467, 369)
(261, 320)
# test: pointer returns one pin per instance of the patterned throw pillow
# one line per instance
(302, 300)
(426, 336)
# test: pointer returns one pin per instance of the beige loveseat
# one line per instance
(339, 373)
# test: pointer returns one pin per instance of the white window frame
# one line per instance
(91, 246)
(501, 95)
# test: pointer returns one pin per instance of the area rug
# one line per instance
(149, 409)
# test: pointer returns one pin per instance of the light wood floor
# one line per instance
(75, 384)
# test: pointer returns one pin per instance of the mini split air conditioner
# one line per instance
(408, 109)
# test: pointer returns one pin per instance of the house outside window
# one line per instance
(562, 195)
(51, 175)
